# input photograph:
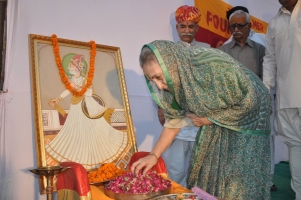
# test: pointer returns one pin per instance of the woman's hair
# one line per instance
(241, 12)
(146, 56)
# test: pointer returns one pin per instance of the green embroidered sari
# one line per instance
(231, 159)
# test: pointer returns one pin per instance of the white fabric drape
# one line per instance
(5, 174)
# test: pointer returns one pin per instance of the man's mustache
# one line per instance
(237, 33)
(188, 34)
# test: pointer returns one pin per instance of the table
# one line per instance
(97, 192)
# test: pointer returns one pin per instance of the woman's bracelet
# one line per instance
(155, 156)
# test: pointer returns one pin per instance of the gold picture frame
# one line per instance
(64, 127)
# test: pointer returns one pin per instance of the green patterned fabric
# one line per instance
(231, 159)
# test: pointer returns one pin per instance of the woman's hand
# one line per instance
(144, 164)
(198, 121)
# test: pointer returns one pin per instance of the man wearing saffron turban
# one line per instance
(187, 18)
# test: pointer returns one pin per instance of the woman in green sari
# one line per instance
(208, 88)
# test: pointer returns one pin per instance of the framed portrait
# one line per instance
(80, 104)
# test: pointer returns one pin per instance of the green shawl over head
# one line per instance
(210, 83)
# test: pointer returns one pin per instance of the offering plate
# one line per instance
(129, 196)
(180, 196)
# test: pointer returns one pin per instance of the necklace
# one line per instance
(64, 77)
(78, 81)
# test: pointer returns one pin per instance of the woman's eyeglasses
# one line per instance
(239, 26)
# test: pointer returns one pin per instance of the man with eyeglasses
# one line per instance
(177, 155)
(248, 47)
(242, 48)
(282, 66)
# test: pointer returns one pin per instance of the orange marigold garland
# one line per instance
(64, 77)
(105, 172)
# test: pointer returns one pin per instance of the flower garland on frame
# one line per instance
(64, 77)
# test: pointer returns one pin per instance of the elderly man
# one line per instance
(256, 37)
(187, 18)
(177, 156)
(246, 51)
(282, 64)
(246, 46)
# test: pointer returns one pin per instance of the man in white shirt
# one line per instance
(282, 65)
(177, 156)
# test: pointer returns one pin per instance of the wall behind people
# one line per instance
(125, 24)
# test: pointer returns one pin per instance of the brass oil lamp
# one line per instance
(49, 172)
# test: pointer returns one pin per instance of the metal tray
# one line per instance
(173, 197)
(123, 196)
(101, 182)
